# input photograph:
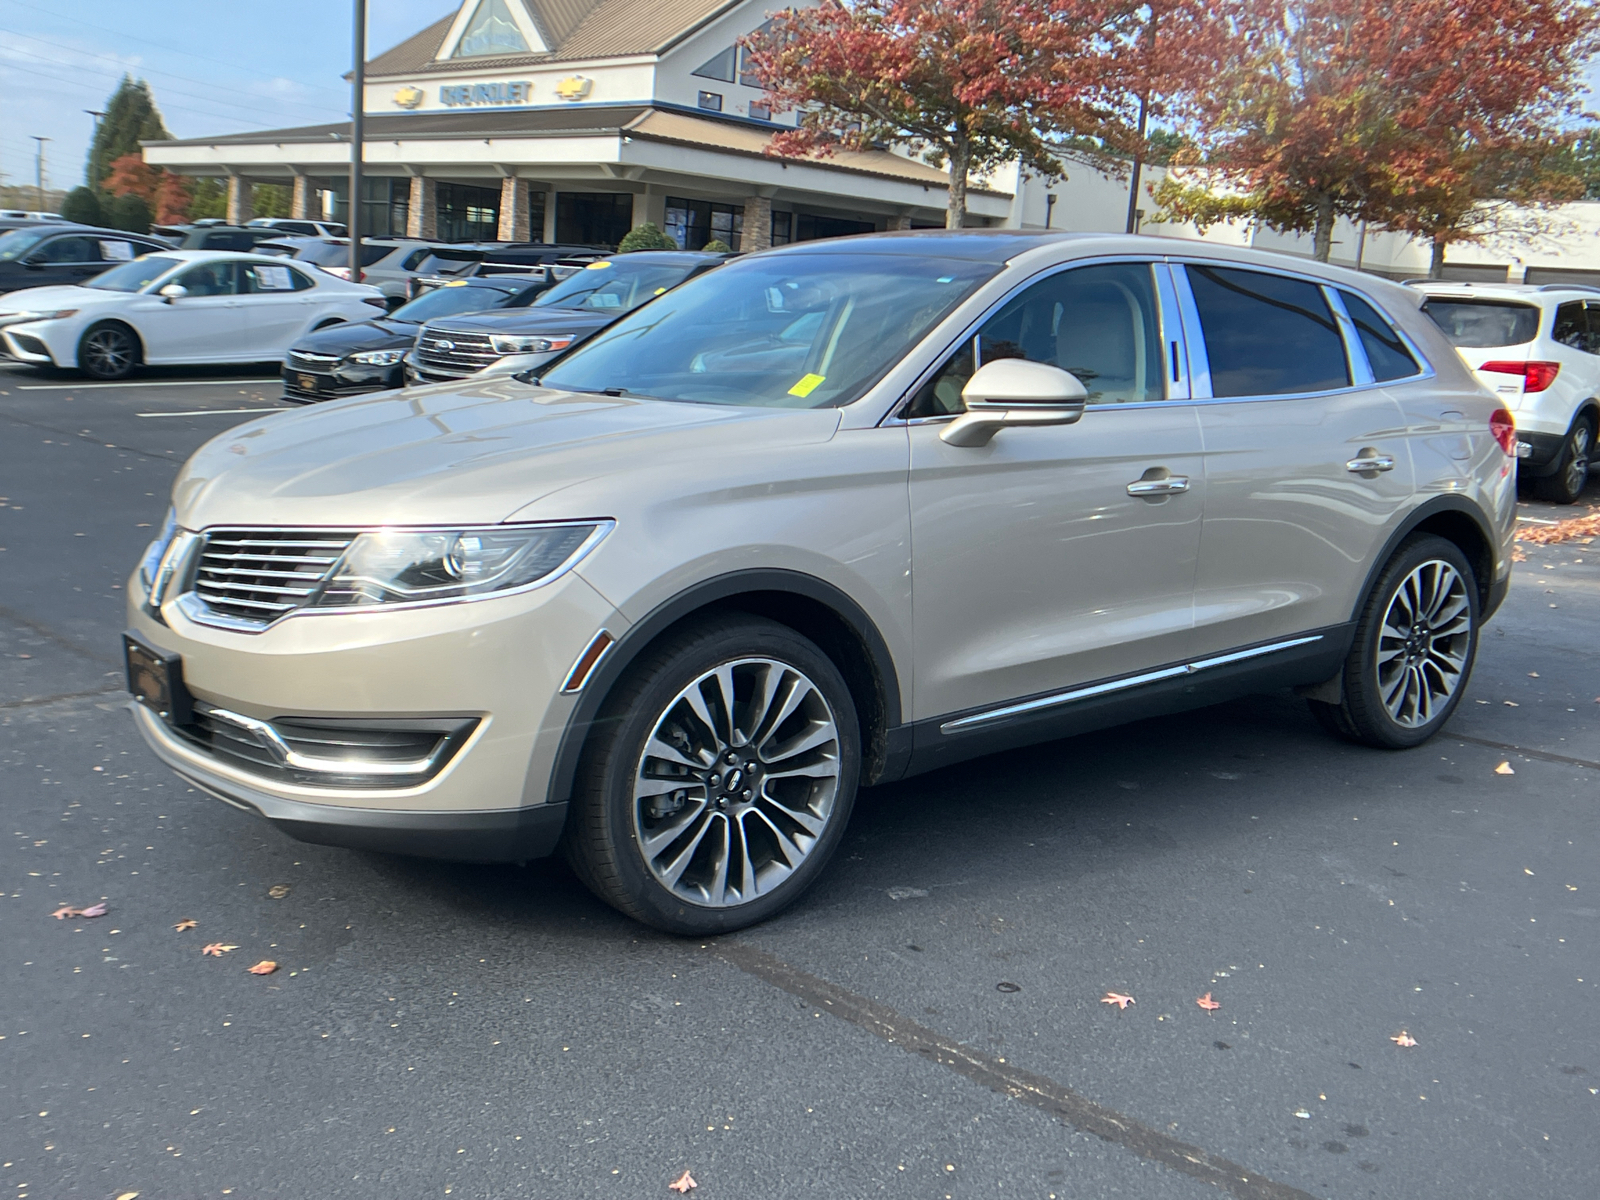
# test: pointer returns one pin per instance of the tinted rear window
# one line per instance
(1386, 352)
(1267, 335)
(1484, 322)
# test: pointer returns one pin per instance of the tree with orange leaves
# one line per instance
(972, 84)
(1373, 110)
(166, 194)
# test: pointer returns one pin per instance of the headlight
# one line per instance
(507, 344)
(378, 358)
(401, 566)
(154, 551)
(14, 318)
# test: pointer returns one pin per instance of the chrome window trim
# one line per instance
(1174, 344)
(1038, 704)
(894, 418)
(1194, 337)
(1355, 353)
(196, 610)
(1425, 366)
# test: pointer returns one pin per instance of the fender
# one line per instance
(1488, 598)
(724, 587)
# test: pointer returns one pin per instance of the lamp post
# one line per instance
(38, 167)
(358, 78)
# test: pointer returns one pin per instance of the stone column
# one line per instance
(422, 215)
(900, 222)
(757, 234)
(240, 208)
(300, 200)
(513, 211)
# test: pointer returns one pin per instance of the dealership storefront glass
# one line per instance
(593, 218)
(693, 223)
(384, 203)
(467, 213)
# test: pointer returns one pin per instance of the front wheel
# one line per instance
(1413, 650)
(108, 351)
(1571, 475)
(719, 780)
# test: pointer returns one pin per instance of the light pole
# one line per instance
(358, 88)
(88, 166)
(38, 167)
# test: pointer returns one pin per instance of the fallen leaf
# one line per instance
(683, 1184)
(1403, 1039)
(265, 967)
(1561, 531)
(1118, 999)
(1525, 871)
(94, 910)
(278, 891)
(1533, 674)
(1302, 1114)
(186, 923)
(1511, 704)
(65, 911)
(128, 1196)
(217, 949)
(1504, 769)
(1207, 1003)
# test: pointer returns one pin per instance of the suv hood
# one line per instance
(474, 454)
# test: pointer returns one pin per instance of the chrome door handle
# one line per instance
(1167, 486)
(1371, 462)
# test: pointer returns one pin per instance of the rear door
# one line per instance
(1307, 463)
(275, 306)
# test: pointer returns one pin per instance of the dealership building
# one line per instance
(573, 121)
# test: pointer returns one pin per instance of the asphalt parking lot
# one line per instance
(927, 1023)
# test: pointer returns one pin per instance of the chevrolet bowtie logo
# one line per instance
(574, 87)
(409, 96)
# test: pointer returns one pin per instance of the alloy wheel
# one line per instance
(1424, 643)
(737, 782)
(107, 353)
(1578, 460)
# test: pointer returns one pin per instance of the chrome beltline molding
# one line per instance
(976, 720)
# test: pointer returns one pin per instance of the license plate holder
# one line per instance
(156, 681)
(309, 383)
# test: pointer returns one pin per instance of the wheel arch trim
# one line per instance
(706, 594)
(1458, 505)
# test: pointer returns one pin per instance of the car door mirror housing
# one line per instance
(1014, 391)
(173, 291)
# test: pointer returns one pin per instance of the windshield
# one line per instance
(614, 286)
(791, 331)
(19, 241)
(132, 276)
(1473, 323)
(449, 300)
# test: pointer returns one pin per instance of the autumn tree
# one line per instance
(166, 196)
(131, 116)
(968, 84)
(1348, 107)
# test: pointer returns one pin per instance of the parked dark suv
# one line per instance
(581, 304)
(45, 255)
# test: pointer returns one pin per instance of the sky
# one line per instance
(219, 67)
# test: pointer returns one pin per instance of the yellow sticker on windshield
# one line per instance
(807, 385)
(660, 290)
(457, 283)
(599, 266)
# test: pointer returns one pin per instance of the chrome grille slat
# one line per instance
(468, 352)
(300, 360)
(257, 575)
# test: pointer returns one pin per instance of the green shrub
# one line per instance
(83, 206)
(717, 246)
(127, 212)
(645, 237)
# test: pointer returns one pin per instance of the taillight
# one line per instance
(1504, 430)
(1536, 376)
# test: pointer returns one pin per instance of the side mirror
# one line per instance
(1014, 391)
(173, 291)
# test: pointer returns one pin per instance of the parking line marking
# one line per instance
(1545, 755)
(73, 387)
(1075, 1109)
(206, 412)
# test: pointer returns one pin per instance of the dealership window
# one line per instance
(782, 228)
(808, 228)
(720, 67)
(746, 75)
(593, 218)
(693, 223)
(384, 205)
(492, 30)
(761, 112)
(536, 212)
(711, 100)
(466, 213)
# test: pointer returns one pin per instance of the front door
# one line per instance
(1308, 466)
(64, 260)
(203, 326)
(1036, 569)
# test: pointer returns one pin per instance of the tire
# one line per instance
(1400, 688)
(725, 858)
(109, 350)
(1571, 475)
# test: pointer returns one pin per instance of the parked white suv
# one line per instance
(1538, 349)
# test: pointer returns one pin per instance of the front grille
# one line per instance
(258, 575)
(455, 354)
(330, 752)
(301, 360)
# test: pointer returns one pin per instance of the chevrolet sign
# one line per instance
(456, 95)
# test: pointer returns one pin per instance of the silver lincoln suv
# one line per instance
(830, 515)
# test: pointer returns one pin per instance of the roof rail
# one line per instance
(1568, 287)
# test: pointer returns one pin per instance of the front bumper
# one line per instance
(26, 346)
(310, 387)
(500, 661)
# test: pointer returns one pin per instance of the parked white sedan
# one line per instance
(186, 306)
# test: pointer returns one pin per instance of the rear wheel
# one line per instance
(1572, 466)
(108, 351)
(719, 780)
(1413, 650)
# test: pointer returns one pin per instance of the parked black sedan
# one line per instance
(366, 356)
(581, 304)
(41, 255)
